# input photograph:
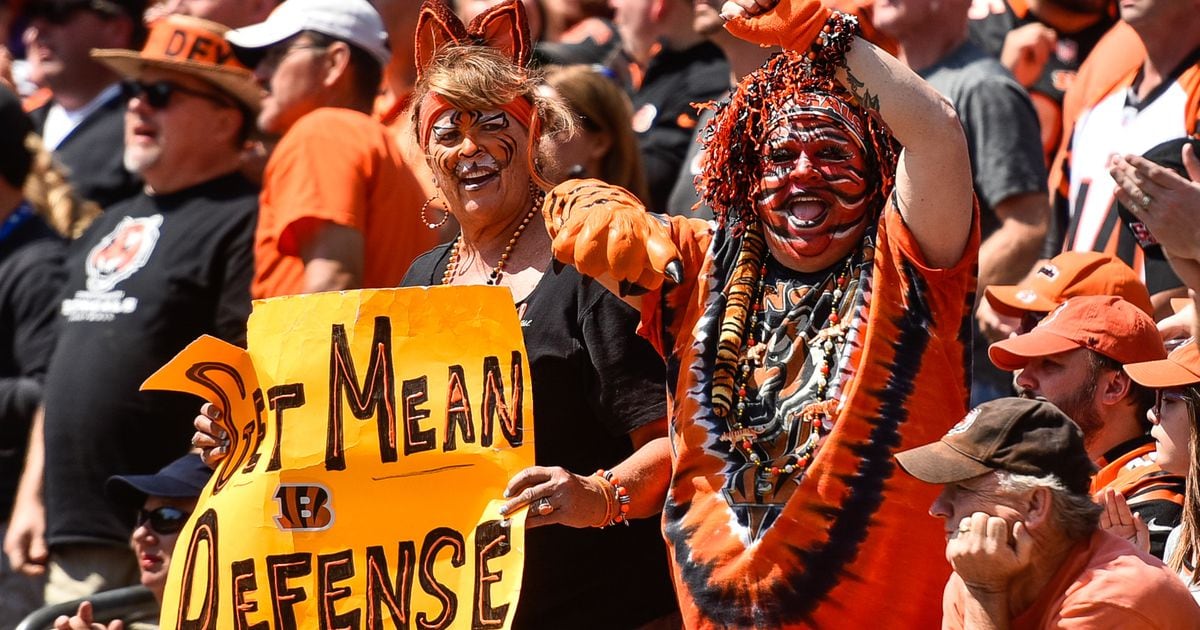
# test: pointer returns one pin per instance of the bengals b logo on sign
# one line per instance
(303, 508)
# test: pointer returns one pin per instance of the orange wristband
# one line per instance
(792, 24)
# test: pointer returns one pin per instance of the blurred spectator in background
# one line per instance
(149, 276)
(1043, 43)
(743, 58)
(1022, 531)
(1002, 136)
(467, 10)
(674, 67)
(163, 503)
(1158, 198)
(1018, 308)
(31, 255)
(1129, 102)
(231, 13)
(603, 146)
(581, 32)
(346, 216)
(399, 77)
(52, 196)
(1073, 358)
(82, 123)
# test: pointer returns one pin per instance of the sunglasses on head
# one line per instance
(163, 520)
(60, 12)
(159, 93)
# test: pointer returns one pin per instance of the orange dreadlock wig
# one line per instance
(734, 140)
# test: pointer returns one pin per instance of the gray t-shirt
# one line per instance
(1005, 146)
(1001, 126)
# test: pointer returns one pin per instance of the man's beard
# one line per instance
(1080, 407)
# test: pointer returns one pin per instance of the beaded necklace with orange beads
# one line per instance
(829, 337)
(494, 277)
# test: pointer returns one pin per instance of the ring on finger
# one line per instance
(964, 527)
(1146, 200)
(543, 506)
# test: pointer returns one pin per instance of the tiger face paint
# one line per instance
(479, 163)
(814, 189)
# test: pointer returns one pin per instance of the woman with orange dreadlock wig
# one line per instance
(816, 327)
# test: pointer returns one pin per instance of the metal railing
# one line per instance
(108, 605)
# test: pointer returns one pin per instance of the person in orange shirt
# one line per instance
(1022, 532)
(339, 207)
(1016, 309)
(1073, 358)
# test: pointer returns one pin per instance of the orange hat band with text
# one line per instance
(183, 42)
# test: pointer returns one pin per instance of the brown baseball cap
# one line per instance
(1018, 435)
(1103, 323)
(1068, 275)
(1181, 367)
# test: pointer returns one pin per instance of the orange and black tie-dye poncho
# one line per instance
(848, 543)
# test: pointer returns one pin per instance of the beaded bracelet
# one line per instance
(609, 492)
(621, 499)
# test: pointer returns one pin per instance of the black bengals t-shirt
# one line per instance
(151, 275)
(594, 381)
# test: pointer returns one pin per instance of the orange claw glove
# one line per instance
(791, 24)
(603, 229)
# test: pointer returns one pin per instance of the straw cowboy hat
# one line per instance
(191, 46)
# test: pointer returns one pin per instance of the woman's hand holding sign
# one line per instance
(210, 438)
(556, 496)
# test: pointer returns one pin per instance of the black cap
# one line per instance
(183, 478)
(15, 126)
(1026, 437)
(1169, 155)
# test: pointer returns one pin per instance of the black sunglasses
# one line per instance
(59, 12)
(158, 94)
(163, 520)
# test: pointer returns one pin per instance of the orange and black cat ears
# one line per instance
(502, 27)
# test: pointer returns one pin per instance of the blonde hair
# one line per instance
(51, 195)
(603, 107)
(1184, 557)
(479, 77)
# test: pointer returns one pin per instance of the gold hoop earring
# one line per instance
(425, 220)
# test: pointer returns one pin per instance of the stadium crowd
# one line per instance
(895, 311)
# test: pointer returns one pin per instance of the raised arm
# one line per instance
(933, 176)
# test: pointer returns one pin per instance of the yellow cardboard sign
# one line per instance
(372, 435)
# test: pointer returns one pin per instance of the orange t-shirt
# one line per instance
(341, 166)
(848, 543)
(1104, 583)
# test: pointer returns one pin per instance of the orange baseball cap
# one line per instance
(191, 46)
(1068, 275)
(1104, 323)
(1181, 367)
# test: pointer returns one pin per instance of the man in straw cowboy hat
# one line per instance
(1022, 532)
(153, 273)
